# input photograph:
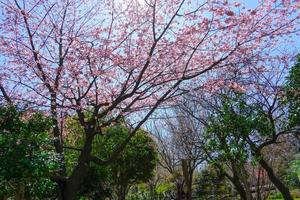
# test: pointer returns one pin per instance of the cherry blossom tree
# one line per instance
(104, 60)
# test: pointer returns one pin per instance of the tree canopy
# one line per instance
(26, 155)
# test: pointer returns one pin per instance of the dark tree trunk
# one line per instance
(122, 192)
(275, 180)
(20, 193)
(179, 191)
(73, 184)
(244, 180)
(188, 178)
(240, 181)
(239, 187)
(189, 186)
(271, 174)
(71, 187)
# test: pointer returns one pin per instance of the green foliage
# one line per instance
(276, 196)
(138, 192)
(295, 165)
(144, 191)
(136, 162)
(25, 154)
(224, 127)
(233, 123)
(292, 177)
(134, 165)
(164, 187)
(75, 138)
(293, 94)
(212, 185)
(233, 130)
(96, 183)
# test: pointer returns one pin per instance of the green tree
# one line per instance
(26, 158)
(212, 185)
(243, 126)
(293, 100)
(97, 182)
(134, 165)
(293, 94)
(225, 144)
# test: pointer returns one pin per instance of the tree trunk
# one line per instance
(188, 178)
(271, 174)
(240, 181)
(20, 193)
(239, 187)
(189, 186)
(244, 180)
(179, 191)
(275, 180)
(72, 185)
(122, 192)
(236, 182)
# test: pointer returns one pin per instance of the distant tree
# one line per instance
(186, 132)
(179, 149)
(27, 161)
(169, 161)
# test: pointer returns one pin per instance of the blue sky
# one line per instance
(250, 3)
